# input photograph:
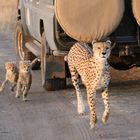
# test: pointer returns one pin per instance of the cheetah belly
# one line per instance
(104, 81)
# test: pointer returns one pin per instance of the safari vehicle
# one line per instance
(40, 34)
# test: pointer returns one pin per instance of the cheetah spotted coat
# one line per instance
(92, 66)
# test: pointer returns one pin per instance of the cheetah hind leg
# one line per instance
(75, 81)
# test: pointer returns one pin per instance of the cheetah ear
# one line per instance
(108, 42)
(93, 42)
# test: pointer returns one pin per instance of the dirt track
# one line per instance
(53, 116)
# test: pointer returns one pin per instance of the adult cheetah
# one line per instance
(92, 65)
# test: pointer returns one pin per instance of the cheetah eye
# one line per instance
(98, 47)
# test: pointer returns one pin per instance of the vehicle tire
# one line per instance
(22, 52)
(49, 84)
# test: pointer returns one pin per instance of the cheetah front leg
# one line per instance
(106, 104)
(19, 90)
(75, 81)
(25, 91)
(93, 117)
(13, 87)
(3, 85)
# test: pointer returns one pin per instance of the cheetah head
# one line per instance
(101, 50)
(11, 67)
(24, 66)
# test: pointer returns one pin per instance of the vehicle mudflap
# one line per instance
(55, 67)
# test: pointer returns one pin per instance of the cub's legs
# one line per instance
(13, 87)
(106, 104)
(75, 81)
(3, 85)
(19, 90)
(93, 117)
(25, 91)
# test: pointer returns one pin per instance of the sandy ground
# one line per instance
(53, 115)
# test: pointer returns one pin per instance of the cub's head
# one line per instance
(101, 50)
(24, 66)
(11, 67)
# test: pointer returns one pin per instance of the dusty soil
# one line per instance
(53, 115)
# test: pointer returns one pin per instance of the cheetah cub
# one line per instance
(11, 75)
(93, 67)
(25, 79)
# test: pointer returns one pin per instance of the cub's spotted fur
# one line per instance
(11, 75)
(25, 79)
(93, 68)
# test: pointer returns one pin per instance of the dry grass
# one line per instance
(8, 15)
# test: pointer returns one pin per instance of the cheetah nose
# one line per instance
(103, 53)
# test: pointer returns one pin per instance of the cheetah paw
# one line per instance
(12, 89)
(81, 109)
(17, 96)
(25, 99)
(92, 125)
(93, 121)
(105, 117)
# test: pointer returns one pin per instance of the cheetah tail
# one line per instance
(35, 61)
(66, 58)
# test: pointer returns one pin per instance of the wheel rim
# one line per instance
(20, 46)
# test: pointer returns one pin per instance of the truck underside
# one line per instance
(126, 38)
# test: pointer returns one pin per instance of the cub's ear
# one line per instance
(6, 64)
(93, 42)
(108, 42)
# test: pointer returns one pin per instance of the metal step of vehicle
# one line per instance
(60, 53)
(35, 49)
